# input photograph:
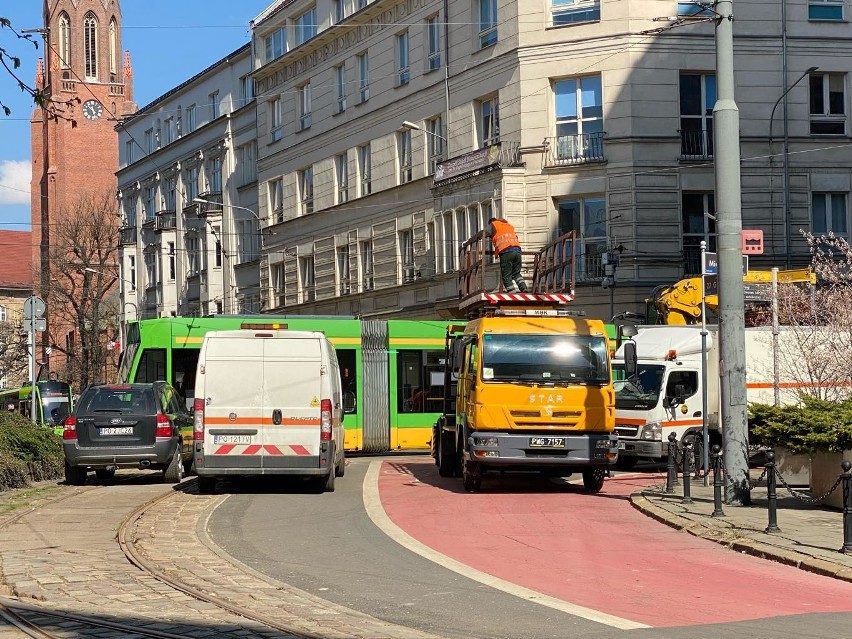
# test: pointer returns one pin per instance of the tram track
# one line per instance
(39, 622)
(33, 622)
(147, 589)
(135, 557)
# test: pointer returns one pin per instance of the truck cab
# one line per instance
(664, 395)
(528, 389)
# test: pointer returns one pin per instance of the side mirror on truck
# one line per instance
(678, 398)
(630, 358)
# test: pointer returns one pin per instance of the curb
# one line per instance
(741, 544)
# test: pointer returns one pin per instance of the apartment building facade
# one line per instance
(593, 116)
(189, 238)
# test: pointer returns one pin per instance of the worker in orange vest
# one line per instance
(507, 246)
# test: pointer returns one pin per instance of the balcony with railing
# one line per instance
(127, 235)
(212, 204)
(696, 145)
(165, 220)
(569, 150)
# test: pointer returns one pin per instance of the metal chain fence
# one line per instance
(807, 498)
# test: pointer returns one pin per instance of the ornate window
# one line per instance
(64, 41)
(90, 45)
(113, 51)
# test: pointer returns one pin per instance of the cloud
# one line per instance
(15, 178)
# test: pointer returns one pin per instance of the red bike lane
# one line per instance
(596, 551)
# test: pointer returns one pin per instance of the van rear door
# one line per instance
(234, 410)
(292, 367)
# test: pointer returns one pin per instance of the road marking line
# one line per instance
(373, 506)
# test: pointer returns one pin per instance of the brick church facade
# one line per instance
(89, 80)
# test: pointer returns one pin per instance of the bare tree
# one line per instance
(817, 321)
(82, 304)
(54, 108)
(14, 354)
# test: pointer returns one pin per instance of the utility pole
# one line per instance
(726, 124)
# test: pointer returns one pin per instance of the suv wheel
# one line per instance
(75, 475)
(173, 473)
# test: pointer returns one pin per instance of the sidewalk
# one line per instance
(810, 535)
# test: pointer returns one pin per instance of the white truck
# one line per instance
(665, 394)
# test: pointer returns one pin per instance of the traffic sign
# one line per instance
(34, 307)
(711, 264)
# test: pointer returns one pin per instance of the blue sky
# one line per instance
(169, 42)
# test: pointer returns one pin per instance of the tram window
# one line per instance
(349, 383)
(152, 365)
(184, 363)
(420, 381)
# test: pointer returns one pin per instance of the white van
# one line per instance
(268, 402)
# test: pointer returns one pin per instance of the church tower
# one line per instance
(74, 142)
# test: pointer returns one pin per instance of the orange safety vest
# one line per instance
(504, 236)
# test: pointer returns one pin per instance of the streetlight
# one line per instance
(201, 200)
(227, 275)
(786, 158)
(416, 127)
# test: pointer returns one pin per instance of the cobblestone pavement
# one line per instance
(809, 538)
(64, 555)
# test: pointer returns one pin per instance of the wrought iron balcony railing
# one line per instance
(165, 220)
(696, 145)
(127, 235)
(566, 150)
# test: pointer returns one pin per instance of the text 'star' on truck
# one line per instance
(528, 384)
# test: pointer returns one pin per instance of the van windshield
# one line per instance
(641, 391)
(545, 359)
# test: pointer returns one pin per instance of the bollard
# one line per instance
(717, 481)
(846, 465)
(687, 455)
(770, 492)
(671, 475)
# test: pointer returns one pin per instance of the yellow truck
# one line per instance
(528, 386)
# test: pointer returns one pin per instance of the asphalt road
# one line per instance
(328, 545)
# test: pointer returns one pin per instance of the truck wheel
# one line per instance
(340, 469)
(446, 457)
(188, 467)
(472, 476)
(593, 480)
(75, 475)
(206, 485)
(173, 473)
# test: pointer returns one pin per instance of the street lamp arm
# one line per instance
(200, 200)
(116, 278)
(416, 127)
(781, 97)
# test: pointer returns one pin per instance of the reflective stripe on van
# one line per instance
(263, 421)
(266, 449)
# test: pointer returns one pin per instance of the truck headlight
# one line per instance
(485, 441)
(652, 432)
(606, 443)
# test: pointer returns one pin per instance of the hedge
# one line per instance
(813, 425)
(28, 453)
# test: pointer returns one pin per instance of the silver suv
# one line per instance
(113, 426)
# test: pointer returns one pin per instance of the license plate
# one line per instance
(117, 430)
(232, 439)
(547, 442)
(622, 445)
